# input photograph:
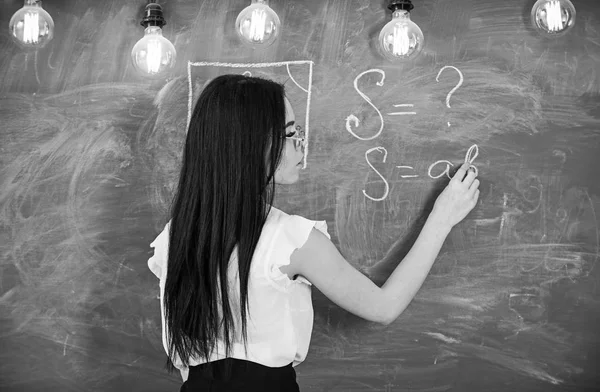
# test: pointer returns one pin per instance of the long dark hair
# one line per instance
(226, 186)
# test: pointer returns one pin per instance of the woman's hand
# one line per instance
(458, 198)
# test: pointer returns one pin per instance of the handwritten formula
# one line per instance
(433, 171)
(405, 109)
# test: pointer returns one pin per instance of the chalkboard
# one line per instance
(90, 153)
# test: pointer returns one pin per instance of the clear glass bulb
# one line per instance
(258, 24)
(553, 17)
(153, 55)
(31, 26)
(401, 38)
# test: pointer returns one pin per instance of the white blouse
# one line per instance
(280, 315)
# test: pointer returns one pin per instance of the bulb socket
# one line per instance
(405, 5)
(153, 16)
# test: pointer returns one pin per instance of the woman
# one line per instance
(236, 297)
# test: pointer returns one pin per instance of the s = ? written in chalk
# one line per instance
(406, 109)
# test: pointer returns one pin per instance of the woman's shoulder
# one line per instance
(292, 225)
(284, 234)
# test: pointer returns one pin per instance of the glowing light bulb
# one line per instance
(153, 55)
(553, 17)
(31, 27)
(401, 39)
(258, 24)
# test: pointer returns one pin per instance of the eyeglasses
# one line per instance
(298, 137)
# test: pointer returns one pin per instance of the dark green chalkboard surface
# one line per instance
(89, 152)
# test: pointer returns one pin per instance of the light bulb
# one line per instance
(553, 17)
(258, 24)
(31, 26)
(153, 55)
(401, 39)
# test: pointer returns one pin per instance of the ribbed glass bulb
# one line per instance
(258, 24)
(153, 55)
(553, 17)
(31, 27)
(401, 38)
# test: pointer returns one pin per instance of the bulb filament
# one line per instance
(258, 22)
(31, 27)
(153, 56)
(554, 16)
(401, 42)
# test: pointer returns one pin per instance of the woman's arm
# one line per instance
(322, 264)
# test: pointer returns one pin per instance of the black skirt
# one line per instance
(234, 375)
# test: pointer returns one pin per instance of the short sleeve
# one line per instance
(158, 262)
(292, 234)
